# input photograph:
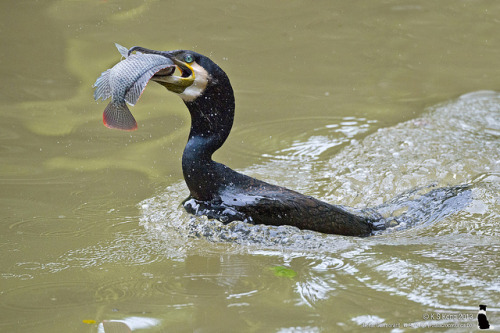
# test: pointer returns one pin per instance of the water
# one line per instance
(354, 103)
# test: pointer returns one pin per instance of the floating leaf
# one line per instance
(89, 321)
(283, 272)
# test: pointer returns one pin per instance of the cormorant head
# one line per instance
(195, 72)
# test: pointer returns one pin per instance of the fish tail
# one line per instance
(117, 115)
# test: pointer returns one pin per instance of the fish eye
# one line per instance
(188, 58)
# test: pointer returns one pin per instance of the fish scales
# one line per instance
(124, 83)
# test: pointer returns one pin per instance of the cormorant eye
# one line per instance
(188, 58)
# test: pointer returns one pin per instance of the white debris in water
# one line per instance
(368, 320)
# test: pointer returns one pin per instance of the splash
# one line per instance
(415, 174)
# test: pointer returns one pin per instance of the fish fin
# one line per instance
(103, 88)
(122, 49)
(117, 115)
(136, 90)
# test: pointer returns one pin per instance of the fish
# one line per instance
(125, 82)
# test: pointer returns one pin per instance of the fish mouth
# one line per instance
(164, 72)
(166, 77)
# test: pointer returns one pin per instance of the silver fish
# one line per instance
(125, 82)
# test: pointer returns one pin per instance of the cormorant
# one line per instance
(224, 194)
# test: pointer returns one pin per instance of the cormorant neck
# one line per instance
(212, 115)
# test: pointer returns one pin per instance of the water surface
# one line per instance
(352, 102)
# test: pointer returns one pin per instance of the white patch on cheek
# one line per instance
(198, 87)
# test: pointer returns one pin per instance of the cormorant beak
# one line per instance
(177, 83)
(174, 83)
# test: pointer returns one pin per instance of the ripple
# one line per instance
(47, 296)
(456, 287)
(320, 277)
(444, 251)
(48, 217)
(210, 285)
(132, 248)
(123, 289)
(314, 136)
(448, 145)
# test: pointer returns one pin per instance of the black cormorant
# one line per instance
(224, 194)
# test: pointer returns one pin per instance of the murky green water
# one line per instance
(352, 102)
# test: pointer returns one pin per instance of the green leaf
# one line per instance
(283, 272)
